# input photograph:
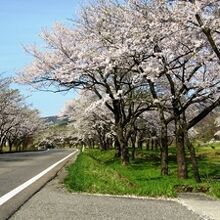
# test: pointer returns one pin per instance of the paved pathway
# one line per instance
(201, 204)
(53, 202)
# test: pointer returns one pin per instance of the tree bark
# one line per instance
(180, 150)
(193, 160)
(164, 151)
(2, 142)
(192, 152)
(117, 148)
(133, 141)
(148, 144)
(124, 154)
(140, 144)
(124, 145)
(10, 144)
(152, 143)
(157, 143)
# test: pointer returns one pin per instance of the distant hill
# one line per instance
(55, 120)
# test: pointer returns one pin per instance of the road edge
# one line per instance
(13, 205)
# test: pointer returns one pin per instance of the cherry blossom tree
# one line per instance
(188, 65)
(18, 122)
(138, 56)
(104, 67)
(90, 119)
(29, 125)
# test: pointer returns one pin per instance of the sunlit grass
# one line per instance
(98, 171)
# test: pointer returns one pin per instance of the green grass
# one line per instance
(98, 171)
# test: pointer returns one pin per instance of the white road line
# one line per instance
(15, 191)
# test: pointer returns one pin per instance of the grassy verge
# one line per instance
(99, 172)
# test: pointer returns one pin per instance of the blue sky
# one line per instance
(21, 22)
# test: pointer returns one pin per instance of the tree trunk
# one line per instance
(157, 143)
(133, 140)
(2, 142)
(104, 144)
(164, 151)
(124, 154)
(140, 144)
(109, 143)
(10, 144)
(193, 160)
(192, 153)
(152, 143)
(180, 150)
(117, 148)
(124, 146)
(93, 144)
(148, 144)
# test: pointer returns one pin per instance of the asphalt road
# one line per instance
(53, 202)
(17, 168)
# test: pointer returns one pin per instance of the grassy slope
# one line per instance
(99, 172)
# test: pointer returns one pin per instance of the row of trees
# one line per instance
(18, 122)
(144, 60)
(57, 135)
(91, 124)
